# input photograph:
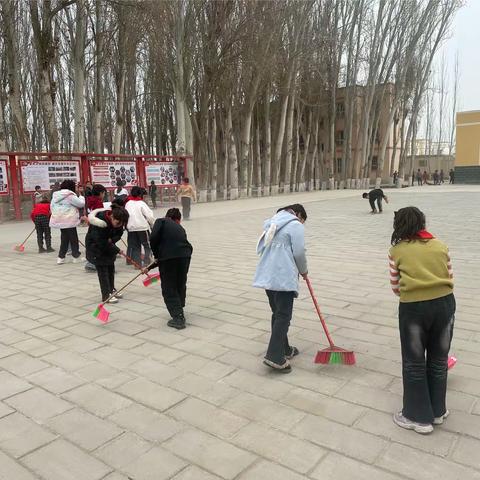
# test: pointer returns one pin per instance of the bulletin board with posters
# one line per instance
(165, 174)
(46, 173)
(3, 178)
(108, 173)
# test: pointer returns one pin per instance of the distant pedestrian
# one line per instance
(424, 177)
(442, 176)
(37, 195)
(395, 177)
(282, 259)
(419, 178)
(452, 176)
(172, 252)
(436, 178)
(186, 194)
(152, 191)
(121, 193)
(40, 217)
(376, 195)
(421, 275)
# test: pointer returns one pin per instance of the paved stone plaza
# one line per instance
(135, 399)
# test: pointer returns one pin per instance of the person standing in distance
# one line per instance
(186, 194)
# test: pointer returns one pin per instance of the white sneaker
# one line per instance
(60, 261)
(439, 420)
(404, 422)
(78, 260)
(113, 300)
(118, 295)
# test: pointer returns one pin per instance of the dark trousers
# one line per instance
(154, 200)
(43, 230)
(68, 236)
(426, 330)
(173, 276)
(186, 203)
(281, 304)
(135, 242)
(419, 181)
(379, 203)
(106, 277)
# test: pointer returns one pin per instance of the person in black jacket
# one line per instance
(106, 228)
(172, 252)
(376, 195)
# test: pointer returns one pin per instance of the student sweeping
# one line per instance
(41, 217)
(106, 228)
(65, 207)
(172, 252)
(376, 195)
(94, 200)
(282, 258)
(140, 221)
(421, 275)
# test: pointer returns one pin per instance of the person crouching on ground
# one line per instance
(172, 252)
(106, 228)
(40, 217)
(282, 258)
(376, 195)
(140, 221)
(94, 201)
(64, 207)
(421, 275)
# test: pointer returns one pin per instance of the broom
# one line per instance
(332, 355)
(21, 247)
(101, 312)
(151, 279)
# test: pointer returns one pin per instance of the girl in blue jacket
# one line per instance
(282, 258)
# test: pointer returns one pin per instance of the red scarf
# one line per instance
(424, 235)
(135, 199)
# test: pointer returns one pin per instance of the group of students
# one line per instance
(438, 177)
(420, 275)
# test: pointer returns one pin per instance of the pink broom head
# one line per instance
(19, 248)
(151, 279)
(101, 313)
(335, 356)
(452, 360)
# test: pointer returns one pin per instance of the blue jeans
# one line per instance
(426, 330)
(281, 304)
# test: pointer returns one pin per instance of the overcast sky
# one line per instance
(465, 38)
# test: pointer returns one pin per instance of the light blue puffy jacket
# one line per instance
(282, 253)
(64, 207)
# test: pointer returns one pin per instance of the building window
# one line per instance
(339, 138)
(422, 163)
(340, 109)
(374, 163)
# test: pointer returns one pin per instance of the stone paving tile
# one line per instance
(206, 386)
(61, 460)
(208, 452)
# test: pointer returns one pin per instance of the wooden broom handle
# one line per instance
(317, 307)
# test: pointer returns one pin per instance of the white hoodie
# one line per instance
(141, 217)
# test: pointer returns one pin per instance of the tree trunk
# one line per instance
(289, 146)
(268, 146)
(98, 96)
(232, 154)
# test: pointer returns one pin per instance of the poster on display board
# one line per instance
(3, 178)
(108, 173)
(45, 174)
(164, 173)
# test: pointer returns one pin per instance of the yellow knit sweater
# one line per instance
(420, 270)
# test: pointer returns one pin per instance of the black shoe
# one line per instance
(41, 250)
(177, 322)
(293, 353)
(50, 250)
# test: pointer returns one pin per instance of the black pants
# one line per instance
(281, 304)
(426, 330)
(106, 277)
(419, 181)
(43, 230)
(154, 200)
(135, 242)
(68, 236)
(186, 203)
(173, 276)
(379, 203)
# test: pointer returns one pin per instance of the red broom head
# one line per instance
(19, 248)
(335, 356)
(101, 313)
(451, 361)
(151, 279)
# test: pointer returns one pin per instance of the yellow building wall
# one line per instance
(468, 139)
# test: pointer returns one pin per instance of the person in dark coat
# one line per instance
(106, 228)
(172, 252)
(376, 195)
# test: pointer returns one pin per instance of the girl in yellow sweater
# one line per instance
(421, 275)
(186, 194)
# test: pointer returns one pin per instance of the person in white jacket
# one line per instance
(65, 216)
(140, 221)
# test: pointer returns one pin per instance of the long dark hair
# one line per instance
(297, 208)
(119, 213)
(68, 185)
(407, 222)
